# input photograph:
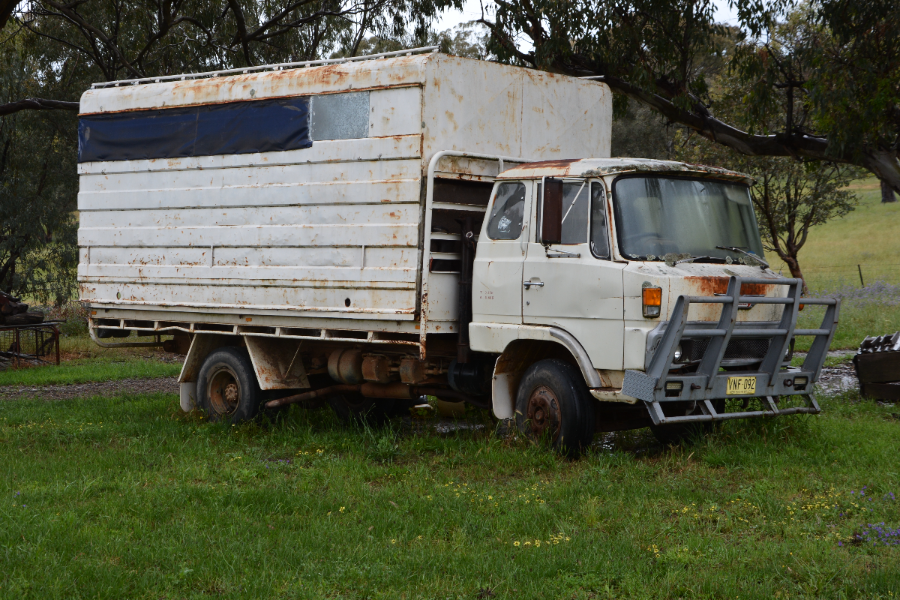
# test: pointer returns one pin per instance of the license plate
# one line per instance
(741, 385)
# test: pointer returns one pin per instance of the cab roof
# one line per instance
(601, 167)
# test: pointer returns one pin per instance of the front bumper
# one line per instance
(661, 386)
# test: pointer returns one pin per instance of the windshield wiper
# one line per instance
(762, 263)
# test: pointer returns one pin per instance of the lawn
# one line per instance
(129, 497)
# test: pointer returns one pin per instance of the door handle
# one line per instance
(528, 284)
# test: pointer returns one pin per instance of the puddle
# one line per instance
(837, 379)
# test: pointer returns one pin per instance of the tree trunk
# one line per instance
(796, 273)
(887, 193)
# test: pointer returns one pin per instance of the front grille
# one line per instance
(738, 349)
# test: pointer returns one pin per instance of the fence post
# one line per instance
(861, 282)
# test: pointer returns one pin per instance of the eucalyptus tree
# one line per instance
(51, 50)
(832, 78)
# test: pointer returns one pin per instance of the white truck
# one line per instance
(372, 230)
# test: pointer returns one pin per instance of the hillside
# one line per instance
(869, 237)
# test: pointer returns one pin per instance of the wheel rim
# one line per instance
(224, 392)
(542, 413)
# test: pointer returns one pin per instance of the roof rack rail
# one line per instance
(278, 67)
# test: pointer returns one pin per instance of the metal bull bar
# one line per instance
(658, 386)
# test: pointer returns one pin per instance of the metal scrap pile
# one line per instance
(15, 312)
(877, 367)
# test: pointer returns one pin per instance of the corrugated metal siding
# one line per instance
(305, 230)
(308, 231)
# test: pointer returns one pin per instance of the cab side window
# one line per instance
(599, 222)
(508, 212)
(575, 213)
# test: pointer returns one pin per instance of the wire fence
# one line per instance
(833, 277)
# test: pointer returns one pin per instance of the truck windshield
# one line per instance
(659, 216)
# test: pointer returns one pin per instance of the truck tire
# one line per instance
(227, 389)
(678, 433)
(553, 403)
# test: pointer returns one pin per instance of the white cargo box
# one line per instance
(339, 230)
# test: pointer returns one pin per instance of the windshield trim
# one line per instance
(614, 199)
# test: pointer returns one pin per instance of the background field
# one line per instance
(868, 237)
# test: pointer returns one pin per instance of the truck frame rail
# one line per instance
(661, 385)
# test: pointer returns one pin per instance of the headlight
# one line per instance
(678, 353)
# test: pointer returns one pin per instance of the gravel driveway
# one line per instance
(168, 385)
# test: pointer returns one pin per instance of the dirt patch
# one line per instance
(166, 385)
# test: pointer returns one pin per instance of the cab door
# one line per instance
(574, 285)
(497, 272)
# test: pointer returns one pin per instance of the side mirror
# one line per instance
(551, 212)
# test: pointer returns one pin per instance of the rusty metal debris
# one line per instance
(877, 367)
(29, 344)
(15, 312)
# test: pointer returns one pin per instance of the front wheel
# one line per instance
(227, 389)
(553, 403)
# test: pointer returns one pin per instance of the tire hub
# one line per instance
(224, 392)
(542, 413)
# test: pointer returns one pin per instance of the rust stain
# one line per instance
(709, 286)
(561, 162)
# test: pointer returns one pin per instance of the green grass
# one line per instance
(84, 370)
(128, 497)
(855, 322)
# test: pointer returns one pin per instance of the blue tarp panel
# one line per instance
(234, 128)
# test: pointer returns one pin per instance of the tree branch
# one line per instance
(7, 8)
(36, 104)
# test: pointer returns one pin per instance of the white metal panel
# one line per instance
(257, 215)
(564, 117)
(402, 71)
(284, 235)
(443, 297)
(369, 277)
(348, 256)
(333, 193)
(249, 177)
(472, 106)
(477, 106)
(395, 111)
(319, 297)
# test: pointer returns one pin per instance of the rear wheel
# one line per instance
(227, 389)
(554, 404)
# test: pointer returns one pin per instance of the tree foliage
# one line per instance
(52, 50)
(823, 78)
(38, 183)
